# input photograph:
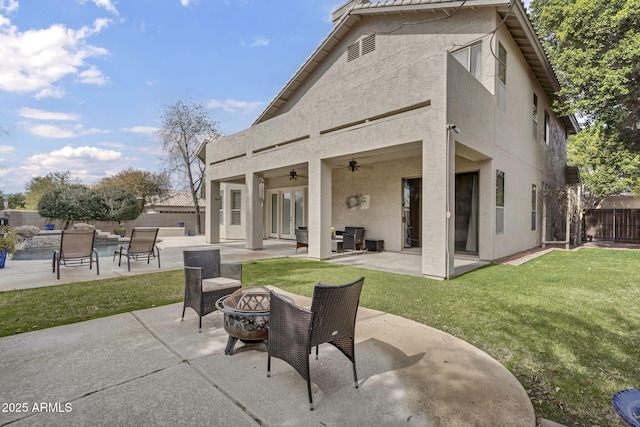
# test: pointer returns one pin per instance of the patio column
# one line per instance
(438, 175)
(212, 216)
(319, 209)
(254, 212)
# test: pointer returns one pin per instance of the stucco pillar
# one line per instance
(254, 212)
(319, 210)
(212, 216)
(438, 175)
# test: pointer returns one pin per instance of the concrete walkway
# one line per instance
(149, 368)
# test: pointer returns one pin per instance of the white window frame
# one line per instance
(500, 201)
(547, 127)
(501, 84)
(535, 116)
(534, 205)
(466, 56)
(236, 207)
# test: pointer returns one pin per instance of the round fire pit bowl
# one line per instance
(246, 315)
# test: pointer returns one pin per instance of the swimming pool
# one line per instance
(104, 250)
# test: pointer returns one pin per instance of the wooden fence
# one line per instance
(621, 225)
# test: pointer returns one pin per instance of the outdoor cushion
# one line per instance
(219, 283)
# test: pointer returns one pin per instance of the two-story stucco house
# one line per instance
(428, 122)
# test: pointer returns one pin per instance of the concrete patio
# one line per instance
(149, 368)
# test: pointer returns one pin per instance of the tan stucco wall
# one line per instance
(409, 66)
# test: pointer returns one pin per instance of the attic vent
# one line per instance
(353, 52)
(369, 44)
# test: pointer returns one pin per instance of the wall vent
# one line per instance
(353, 52)
(368, 44)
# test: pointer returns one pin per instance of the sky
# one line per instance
(83, 82)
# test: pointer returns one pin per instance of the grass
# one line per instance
(566, 324)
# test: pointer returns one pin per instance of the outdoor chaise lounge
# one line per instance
(76, 249)
(294, 330)
(206, 280)
(141, 245)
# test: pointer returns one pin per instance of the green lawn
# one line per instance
(566, 324)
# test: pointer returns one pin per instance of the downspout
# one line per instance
(456, 129)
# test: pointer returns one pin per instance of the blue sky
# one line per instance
(83, 82)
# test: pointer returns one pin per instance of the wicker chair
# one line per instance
(302, 238)
(141, 245)
(76, 248)
(353, 238)
(294, 330)
(206, 280)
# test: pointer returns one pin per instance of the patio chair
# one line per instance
(302, 238)
(206, 280)
(141, 245)
(353, 238)
(76, 248)
(294, 330)
(627, 405)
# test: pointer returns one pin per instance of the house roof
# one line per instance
(175, 199)
(345, 17)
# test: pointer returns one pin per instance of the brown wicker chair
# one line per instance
(294, 330)
(76, 248)
(206, 280)
(141, 245)
(353, 238)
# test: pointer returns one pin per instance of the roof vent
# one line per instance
(369, 44)
(353, 51)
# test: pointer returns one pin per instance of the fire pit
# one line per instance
(246, 316)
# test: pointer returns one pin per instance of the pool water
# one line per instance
(104, 250)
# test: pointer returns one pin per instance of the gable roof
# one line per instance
(346, 16)
(176, 199)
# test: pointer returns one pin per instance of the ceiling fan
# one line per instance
(354, 166)
(294, 175)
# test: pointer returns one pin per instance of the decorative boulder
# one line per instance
(26, 231)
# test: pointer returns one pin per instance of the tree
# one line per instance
(185, 125)
(594, 46)
(17, 201)
(41, 185)
(606, 167)
(70, 203)
(143, 184)
(73, 203)
(118, 204)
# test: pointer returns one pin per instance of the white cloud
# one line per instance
(260, 42)
(57, 132)
(147, 130)
(233, 106)
(6, 149)
(86, 163)
(107, 5)
(32, 113)
(93, 75)
(34, 60)
(186, 3)
(9, 6)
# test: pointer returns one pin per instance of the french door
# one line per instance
(286, 212)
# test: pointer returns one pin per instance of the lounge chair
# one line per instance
(294, 330)
(76, 248)
(141, 245)
(206, 280)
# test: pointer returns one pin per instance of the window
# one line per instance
(534, 203)
(221, 207)
(502, 77)
(535, 117)
(471, 58)
(499, 202)
(236, 205)
(547, 128)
